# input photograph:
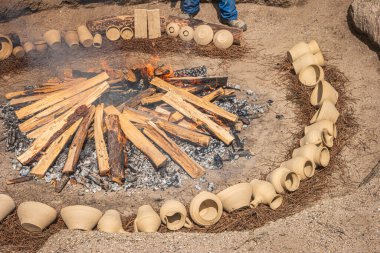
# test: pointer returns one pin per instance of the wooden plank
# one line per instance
(42, 90)
(22, 100)
(212, 81)
(154, 24)
(101, 149)
(78, 142)
(191, 112)
(60, 96)
(141, 24)
(136, 100)
(138, 139)
(155, 98)
(174, 151)
(53, 151)
(194, 99)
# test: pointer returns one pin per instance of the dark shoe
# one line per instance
(238, 23)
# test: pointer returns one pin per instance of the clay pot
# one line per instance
(203, 35)
(319, 155)
(85, 36)
(111, 222)
(174, 215)
(7, 205)
(80, 217)
(326, 112)
(321, 126)
(147, 220)
(18, 52)
(307, 60)
(283, 180)
(323, 91)
(72, 39)
(264, 193)
(223, 39)
(172, 29)
(6, 47)
(40, 46)
(303, 48)
(98, 40)
(126, 33)
(53, 38)
(29, 47)
(113, 33)
(206, 209)
(236, 196)
(317, 138)
(186, 33)
(311, 75)
(302, 166)
(35, 216)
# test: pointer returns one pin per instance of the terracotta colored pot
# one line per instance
(322, 92)
(319, 155)
(126, 33)
(186, 33)
(147, 220)
(80, 217)
(264, 193)
(98, 41)
(203, 35)
(206, 209)
(35, 216)
(6, 47)
(307, 60)
(301, 49)
(53, 38)
(311, 75)
(302, 166)
(172, 29)
(72, 39)
(326, 112)
(18, 52)
(174, 215)
(322, 125)
(236, 196)
(40, 46)
(85, 36)
(223, 39)
(29, 47)
(113, 33)
(111, 222)
(283, 180)
(7, 205)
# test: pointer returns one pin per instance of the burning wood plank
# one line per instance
(138, 139)
(191, 112)
(101, 149)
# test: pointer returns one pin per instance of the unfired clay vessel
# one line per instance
(147, 220)
(186, 33)
(18, 52)
(72, 39)
(264, 193)
(53, 38)
(206, 209)
(41, 46)
(312, 137)
(35, 216)
(174, 215)
(203, 35)
(283, 180)
(303, 48)
(80, 217)
(327, 111)
(319, 155)
(302, 166)
(6, 47)
(307, 60)
(113, 33)
(311, 75)
(322, 92)
(111, 222)
(223, 39)
(7, 205)
(85, 36)
(236, 196)
(29, 47)
(98, 41)
(327, 125)
(126, 33)
(172, 29)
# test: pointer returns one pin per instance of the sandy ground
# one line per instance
(272, 31)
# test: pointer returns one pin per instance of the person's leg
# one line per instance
(190, 7)
(228, 10)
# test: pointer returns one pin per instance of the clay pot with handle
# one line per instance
(174, 215)
(264, 193)
(236, 196)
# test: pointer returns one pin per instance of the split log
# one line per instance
(53, 151)
(116, 141)
(136, 100)
(155, 98)
(174, 151)
(214, 82)
(138, 139)
(101, 149)
(18, 180)
(60, 96)
(236, 32)
(62, 183)
(191, 112)
(77, 143)
(22, 100)
(194, 99)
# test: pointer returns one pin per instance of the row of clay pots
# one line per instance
(114, 33)
(202, 35)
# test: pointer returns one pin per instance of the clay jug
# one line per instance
(172, 29)
(327, 111)
(18, 52)
(302, 166)
(283, 180)
(307, 60)
(203, 35)
(322, 125)
(85, 36)
(72, 39)
(6, 47)
(126, 33)
(264, 193)
(223, 39)
(7, 205)
(113, 33)
(206, 209)
(80, 217)
(98, 40)
(111, 222)
(186, 33)
(41, 46)
(53, 38)
(147, 220)
(35, 216)
(174, 215)
(319, 155)
(323, 91)
(312, 137)
(28, 47)
(301, 49)
(236, 196)
(311, 75)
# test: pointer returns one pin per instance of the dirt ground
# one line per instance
(347, 219)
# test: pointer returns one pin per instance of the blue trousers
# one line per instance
(227, 8)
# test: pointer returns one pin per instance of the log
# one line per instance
(214, 82)
(236, 32)
(62, 183)
(77, 143)
(138, 139)
(101, 149)
(22, 100)
(18, 180)
(53, 151)
(194, 99)
(155, 98)
(174, 151)
(60, 96)
(136, 100)
(115, 144)
(191, 112)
